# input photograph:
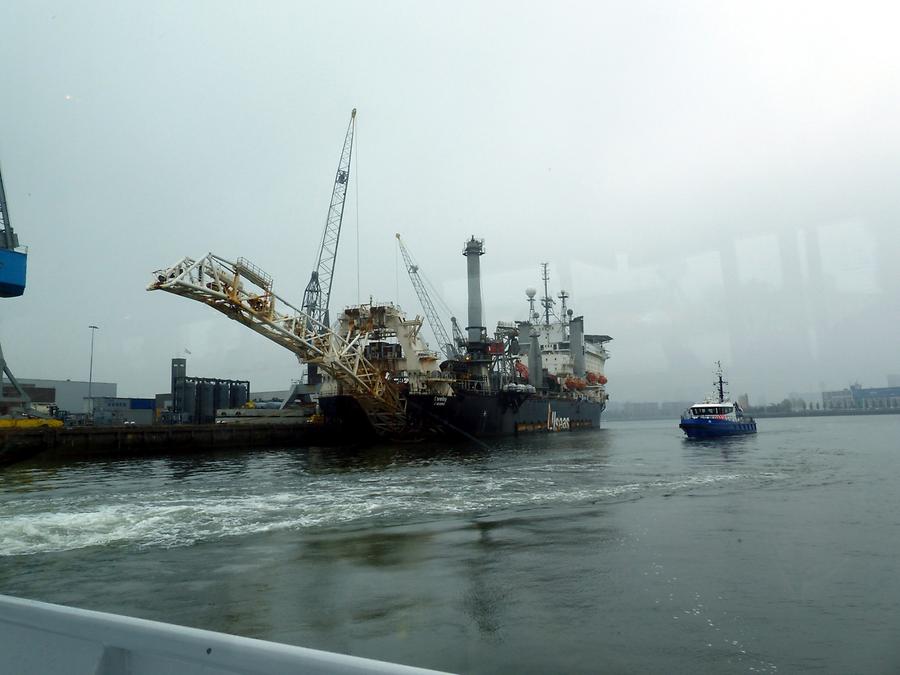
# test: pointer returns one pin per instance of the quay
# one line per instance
(75, 443)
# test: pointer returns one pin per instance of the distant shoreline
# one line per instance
(766, 414)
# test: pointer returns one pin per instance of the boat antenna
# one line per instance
(720, 383)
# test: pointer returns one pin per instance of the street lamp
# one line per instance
(94, 329)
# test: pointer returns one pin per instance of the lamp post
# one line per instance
(94, 329)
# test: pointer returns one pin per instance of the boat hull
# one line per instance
(474, 414)
(711, 428)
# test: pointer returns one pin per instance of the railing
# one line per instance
(37, 637)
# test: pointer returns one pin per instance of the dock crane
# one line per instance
(12, 285)
(317, 295)
(448, 346)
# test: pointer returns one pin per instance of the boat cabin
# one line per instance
(715, 409)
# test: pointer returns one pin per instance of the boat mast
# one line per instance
(546, 301)
(720, 383)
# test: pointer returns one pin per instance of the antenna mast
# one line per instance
(546, 301)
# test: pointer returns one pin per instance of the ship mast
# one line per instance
(720, 383)
(546, 301)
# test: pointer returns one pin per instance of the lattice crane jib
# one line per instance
(317, 295)
(244, 293)
(434, 320)
(8, 238)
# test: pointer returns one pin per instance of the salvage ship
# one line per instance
(541, 374)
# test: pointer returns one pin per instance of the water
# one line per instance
(626, 549)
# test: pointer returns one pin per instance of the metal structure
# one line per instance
(458, 338)
(318, 291)
(12, 284)
(21, 399)
(434, 320)
(8, 239)
(244, 293)
(546, 302)
(94, 329)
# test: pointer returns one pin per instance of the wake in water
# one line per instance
(262, 499)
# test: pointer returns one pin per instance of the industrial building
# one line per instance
(109, 410)
(69, 396)
(195, 400)
(859, 398)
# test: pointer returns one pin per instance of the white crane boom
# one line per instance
(243, 292)
(434, 319)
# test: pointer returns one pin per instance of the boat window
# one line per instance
(711, 410)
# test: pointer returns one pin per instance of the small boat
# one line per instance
(714, 418)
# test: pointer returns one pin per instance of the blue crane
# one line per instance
(12, 285)
(12, 261)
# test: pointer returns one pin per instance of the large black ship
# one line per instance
(540, 374)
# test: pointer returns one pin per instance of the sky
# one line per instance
(708, 181)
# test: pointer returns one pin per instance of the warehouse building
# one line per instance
(859, 398)
(70, 396)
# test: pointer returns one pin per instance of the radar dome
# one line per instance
(530, 292)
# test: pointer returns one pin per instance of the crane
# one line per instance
(12, 285)
(447, 345)
(318, 291)
(243, 292)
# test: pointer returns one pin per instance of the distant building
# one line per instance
(859, 398)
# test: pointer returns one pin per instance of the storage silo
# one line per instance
(189, 402)
(206, 411)
(239, 394)
(222, 397)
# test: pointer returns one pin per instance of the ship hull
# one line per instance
(711, 428)
(479, 415)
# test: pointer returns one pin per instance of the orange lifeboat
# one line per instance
(575, 383)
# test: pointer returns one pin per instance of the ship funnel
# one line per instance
(535, 365)
(473, 251)
(576, 345)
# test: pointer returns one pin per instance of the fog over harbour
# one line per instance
(708, 182)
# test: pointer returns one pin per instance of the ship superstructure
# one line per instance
(568, 359)
(523, 376)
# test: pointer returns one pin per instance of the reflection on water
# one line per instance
(728, 448)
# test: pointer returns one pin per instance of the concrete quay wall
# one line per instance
(74, 443)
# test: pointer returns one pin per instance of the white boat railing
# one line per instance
(44, 639)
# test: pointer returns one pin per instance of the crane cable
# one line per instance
(356, 133)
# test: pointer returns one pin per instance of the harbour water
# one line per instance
(626, 549)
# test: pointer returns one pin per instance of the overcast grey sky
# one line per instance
(708, 181)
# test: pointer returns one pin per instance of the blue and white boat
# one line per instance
(714, 418)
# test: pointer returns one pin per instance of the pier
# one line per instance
(72, 443)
